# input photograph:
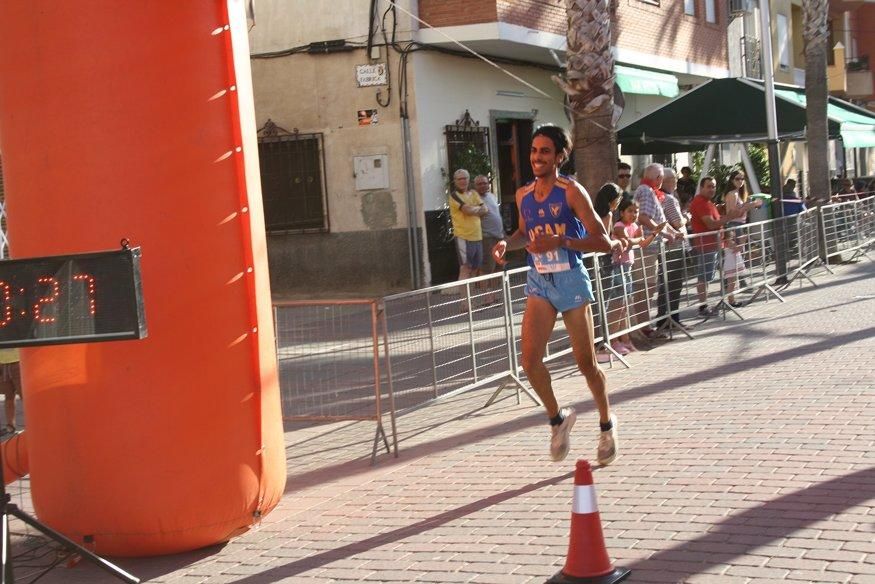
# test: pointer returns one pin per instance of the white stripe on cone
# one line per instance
(584, 499)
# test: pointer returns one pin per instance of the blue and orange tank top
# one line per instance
(552, 216)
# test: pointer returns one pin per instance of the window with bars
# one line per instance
(293, 181)
(466, 138)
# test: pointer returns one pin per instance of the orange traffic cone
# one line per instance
(587, 561)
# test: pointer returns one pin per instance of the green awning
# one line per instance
(643, 82)
(732, 110)
(857, 127)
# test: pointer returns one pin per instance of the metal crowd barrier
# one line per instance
(329, 359)
(848, 227)
(342, 360)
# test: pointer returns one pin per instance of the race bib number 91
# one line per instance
(551, 261)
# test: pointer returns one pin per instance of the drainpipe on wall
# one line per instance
(412, 208)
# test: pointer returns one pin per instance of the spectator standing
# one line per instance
(492, 226)
(733, 266)
(844, 221)
(686, 187)
(630, 234)
(466, 209)
(606, 202)
(705, 220)
(846, 192)
(605, 206)
(675, 254)
(648, 197)
(735, 198)
(624, 179)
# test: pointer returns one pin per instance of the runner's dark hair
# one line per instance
(560, 138)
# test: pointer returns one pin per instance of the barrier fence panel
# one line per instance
(840, 228)
(329, 356)
(353, 360)
(864, 216)
(806, 241)
(447, 339)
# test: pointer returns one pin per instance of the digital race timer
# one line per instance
(71, 299)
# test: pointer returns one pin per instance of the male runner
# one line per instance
(556, 224)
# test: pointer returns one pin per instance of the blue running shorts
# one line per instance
(564, 290)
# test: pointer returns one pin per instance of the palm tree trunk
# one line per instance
(815, 35)
(589, 85)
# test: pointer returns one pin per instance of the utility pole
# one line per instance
(776, 183)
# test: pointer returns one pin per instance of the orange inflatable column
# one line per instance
(135, 120)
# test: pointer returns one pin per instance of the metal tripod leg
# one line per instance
(511, 378)
(379, 432)
(671, 324)
(67, 543)
(607, 347)
(726, 306)
(766, 288)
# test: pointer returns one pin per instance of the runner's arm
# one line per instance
(597, 238)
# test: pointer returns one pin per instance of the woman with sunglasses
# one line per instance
(735, 199)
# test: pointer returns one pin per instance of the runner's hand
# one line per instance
(544, 243)
(498, 251)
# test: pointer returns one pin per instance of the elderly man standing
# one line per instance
(649, 197)
(493, 228)
(493, 232)
(670, 297)
(466, 209)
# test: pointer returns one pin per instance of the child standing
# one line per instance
(733, 265)
(630, 233)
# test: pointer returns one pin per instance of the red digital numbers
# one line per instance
(6, 294)
(53, 293)
(88, 280)
(47, 292)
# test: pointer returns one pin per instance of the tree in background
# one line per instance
(589, 84)
(816, 35)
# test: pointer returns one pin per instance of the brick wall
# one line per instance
(457, 12)
(666, 31)
(545, 15)
(647, 26)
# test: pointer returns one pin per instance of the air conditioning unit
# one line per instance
(740, 7)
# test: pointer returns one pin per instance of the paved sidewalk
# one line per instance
(748, 455)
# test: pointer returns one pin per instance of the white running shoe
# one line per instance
(608, 443)
(560, 442)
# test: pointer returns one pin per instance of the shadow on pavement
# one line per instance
(329, 556)
(760, 526)
(321, 475)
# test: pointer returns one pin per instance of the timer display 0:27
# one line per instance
(71, 299)
(46, 294)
